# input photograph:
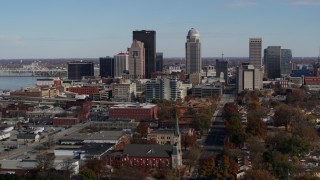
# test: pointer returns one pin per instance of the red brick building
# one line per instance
(146, 156)
(137, 112)
(312, 80)
(68, 121)
(84, 105)
(19, 109)
(82, 90)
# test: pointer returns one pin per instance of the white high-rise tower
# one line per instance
(193, 52)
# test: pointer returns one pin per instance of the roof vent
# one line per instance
(151, 151)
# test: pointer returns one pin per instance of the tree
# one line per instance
(207, 166)
(235, 131)
(192, 156)
(285, 115)
(305, 129)
(230, 110)
(256, 127)
(229, 166)
(204, 117)
(88, 174)
(281, 167)
(143, 129)
(306, 177)
(131, 173)
(152, 141)
(257, 148)
(289, 144)
(96, 165)
(258, 174)
(44, 161)
(68, 166)
(50, 142)
(188, 140)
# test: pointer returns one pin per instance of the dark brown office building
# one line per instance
(78, 69)
(106, 66)
(149, 40)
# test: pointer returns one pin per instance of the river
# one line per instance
(14, 83)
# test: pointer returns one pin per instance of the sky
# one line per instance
(98, 28)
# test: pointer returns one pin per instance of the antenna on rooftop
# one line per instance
(319, 59)
(222, 55)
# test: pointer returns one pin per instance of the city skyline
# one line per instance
(92, 29)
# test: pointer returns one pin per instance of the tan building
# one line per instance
(249, 78)
(195, 78)
(255, 52)
(137, 60)
(124, 91)
(163, 136)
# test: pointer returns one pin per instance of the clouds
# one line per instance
(305, 2)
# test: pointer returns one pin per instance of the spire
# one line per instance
(177, 131)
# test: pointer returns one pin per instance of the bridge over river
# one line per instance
(19, 72)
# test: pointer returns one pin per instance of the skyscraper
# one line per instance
(149, 40)
(286, 58)
(193, 52)
(272, 60)
(159, 61)
(222, 67)
(255, 52)
(277, 61)
(136, 60)
(106, 66)
(78, 69)
(121, 64)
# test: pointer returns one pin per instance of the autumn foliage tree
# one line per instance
(143, 129)
(285, 115)
(207, 166)
(230, 110)
(235, 131)
(258, 174)
(192, 156)
(256, 127)
(229, 166)
(188, 140)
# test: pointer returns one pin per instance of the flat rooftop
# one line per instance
(143, 106)
(101, 135)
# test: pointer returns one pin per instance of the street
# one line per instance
(213, 141)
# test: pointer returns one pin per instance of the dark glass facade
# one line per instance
(272, 59)
(106, 66)
(286, 58)
(159, 61)
(222, 66)
(78, 69)
(149, 40)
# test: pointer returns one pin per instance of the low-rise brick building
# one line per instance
(84, 90)
(147, 156)
(138, 112)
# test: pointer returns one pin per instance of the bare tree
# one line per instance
(45, 161)
(50, 142)
(68, 166)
